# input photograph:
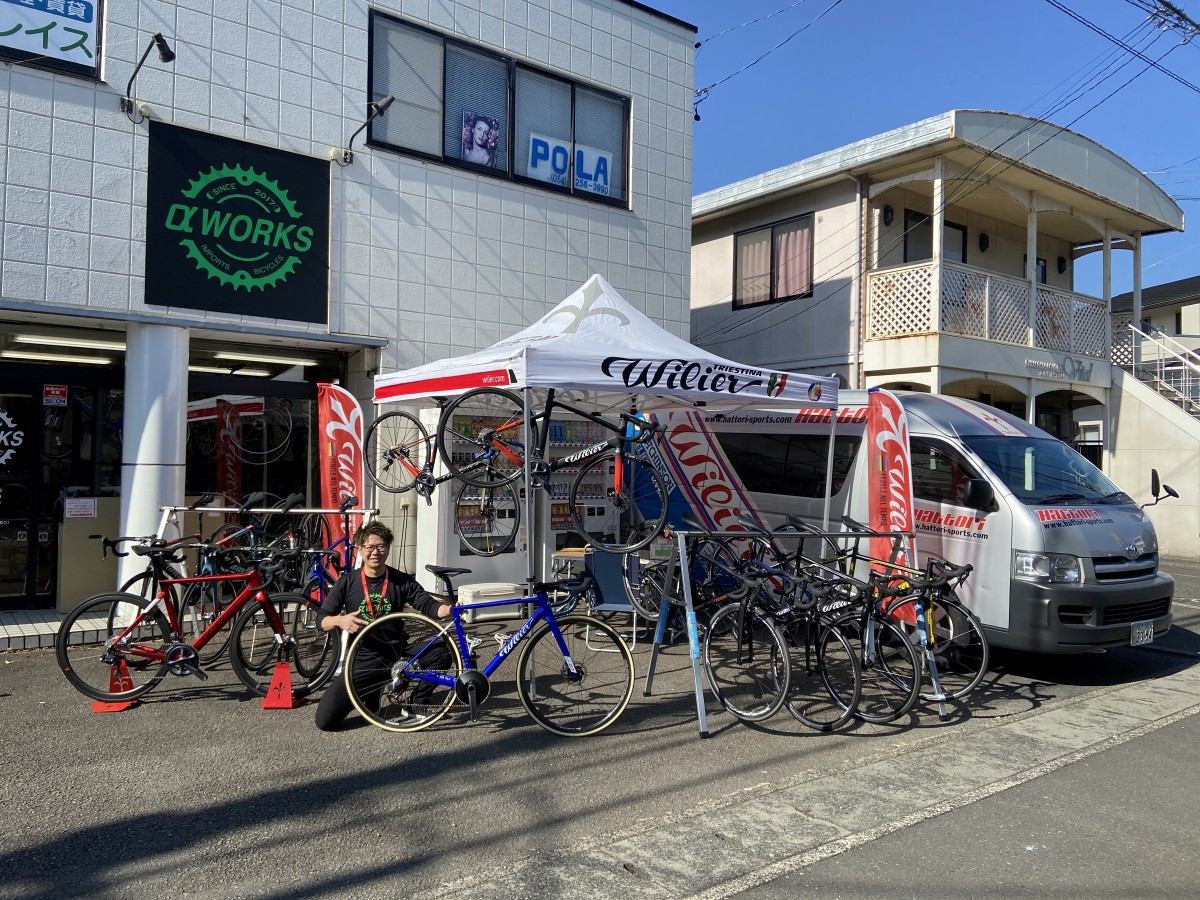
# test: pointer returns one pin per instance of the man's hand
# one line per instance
(443, 611)
(349, 622)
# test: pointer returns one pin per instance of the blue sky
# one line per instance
(867, 66)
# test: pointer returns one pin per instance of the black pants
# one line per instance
(372, 669)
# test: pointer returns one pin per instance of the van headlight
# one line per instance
(1049, 568)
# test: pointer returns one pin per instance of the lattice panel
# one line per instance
(1122, 348)
(1008, 312)
(900, 302)
(1089, 328)
(1053, 321)
(964, 303)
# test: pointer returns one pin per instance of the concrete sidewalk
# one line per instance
(746, 843)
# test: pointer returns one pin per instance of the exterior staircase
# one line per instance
(1166, 366)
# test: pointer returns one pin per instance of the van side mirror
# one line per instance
(1158, 490)
(979, 494)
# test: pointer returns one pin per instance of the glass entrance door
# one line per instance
(21, 584)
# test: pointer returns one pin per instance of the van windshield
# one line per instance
(1045, 472)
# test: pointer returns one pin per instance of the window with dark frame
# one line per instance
(918, 238)
(464, 105)
(773, 263)
(1041, 268)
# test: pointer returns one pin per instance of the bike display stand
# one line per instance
(118, 681)
(279, 694)
(679, 557)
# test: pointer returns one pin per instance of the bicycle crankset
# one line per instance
(182, 659)
(472, 687)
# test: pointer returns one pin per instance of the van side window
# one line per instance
(792, 465)
(940, 473)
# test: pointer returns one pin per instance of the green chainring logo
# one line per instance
(242, 227)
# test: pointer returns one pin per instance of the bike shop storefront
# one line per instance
(61, 429)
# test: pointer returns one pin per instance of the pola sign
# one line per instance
(550, 161)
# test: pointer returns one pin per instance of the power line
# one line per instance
(718, 332)
(702, 93)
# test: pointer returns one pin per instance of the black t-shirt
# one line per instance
(402, 590)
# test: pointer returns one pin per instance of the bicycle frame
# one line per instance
(543, 613)
(253, 591)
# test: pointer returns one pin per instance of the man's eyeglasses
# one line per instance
(376, 548)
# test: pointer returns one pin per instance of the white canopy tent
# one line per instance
(595, 341)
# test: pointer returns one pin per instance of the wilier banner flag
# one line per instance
(340, 424)
(890, 494)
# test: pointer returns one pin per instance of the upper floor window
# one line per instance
(466, 106)
(918, 239)
(773, 263)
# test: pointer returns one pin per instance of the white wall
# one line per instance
(1147, 432)
(438, 260)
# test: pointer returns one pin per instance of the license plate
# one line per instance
(1141, 633)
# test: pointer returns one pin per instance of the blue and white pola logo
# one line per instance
(550, 161)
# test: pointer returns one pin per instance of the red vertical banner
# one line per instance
(340, 420)
(889, 456)
(229, 464)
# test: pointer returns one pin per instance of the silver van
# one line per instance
(1064, 560)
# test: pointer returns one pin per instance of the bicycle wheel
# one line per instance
(587, 702)
(203, 601)
(481, 437)
(891, 668)
(397, 449)
(746, 659)
(254, 651)
(102, 667)
(826, 679)
(487, 518)
(146, 586)
(388, 666)
(960, 648)
(314, 532)
(622, 520)
(316, 653)
(643, 579)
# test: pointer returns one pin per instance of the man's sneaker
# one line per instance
(408, 717)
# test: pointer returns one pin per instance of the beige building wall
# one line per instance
(811, 334)
(1150, 432)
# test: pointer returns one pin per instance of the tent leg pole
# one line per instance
(693, 630)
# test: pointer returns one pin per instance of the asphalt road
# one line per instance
(198, 792)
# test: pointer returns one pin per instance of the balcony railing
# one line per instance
(981, 304)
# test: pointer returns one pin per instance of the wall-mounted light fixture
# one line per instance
(374, 111)
(1062, 264)
(37, 356)
(281, 360)
(984, 242)
(59, 340)
(166, 54)
(888, 215)
(232, 369)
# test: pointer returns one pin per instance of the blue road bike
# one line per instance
(574, 672)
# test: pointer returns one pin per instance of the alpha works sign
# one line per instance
(235, 227)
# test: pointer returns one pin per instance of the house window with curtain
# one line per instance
(774, 263)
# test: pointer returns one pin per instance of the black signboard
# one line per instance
(235, 227)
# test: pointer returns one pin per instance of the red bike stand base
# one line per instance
(279, 694)
(119, 681)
